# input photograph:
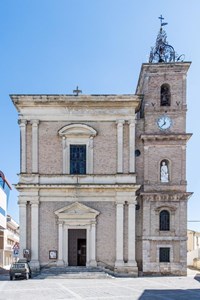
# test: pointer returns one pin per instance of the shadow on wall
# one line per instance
(193, 294)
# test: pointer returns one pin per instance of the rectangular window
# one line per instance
(164, 255)
(77, 159)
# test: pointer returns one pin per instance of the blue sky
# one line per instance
(51, 46)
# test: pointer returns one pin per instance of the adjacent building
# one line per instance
(103, 177)
(9, 247)
(9, 229)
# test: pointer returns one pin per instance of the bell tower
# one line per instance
(162, 139)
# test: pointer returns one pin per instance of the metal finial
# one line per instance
(162, 52)
(77, 91)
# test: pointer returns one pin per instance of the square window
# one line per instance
(164, 255)
(77, 159)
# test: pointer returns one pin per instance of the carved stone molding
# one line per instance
(165, 137)
(165, 196)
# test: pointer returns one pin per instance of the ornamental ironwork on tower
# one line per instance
(162, 52)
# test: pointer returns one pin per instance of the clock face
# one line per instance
(164, 122)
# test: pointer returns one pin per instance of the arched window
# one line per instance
(164, 220)
(165, 96)
(164, 170)
(77, 142)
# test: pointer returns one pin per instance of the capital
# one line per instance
(132, 122)
(22, 122)
(35, 122)
(120, 122)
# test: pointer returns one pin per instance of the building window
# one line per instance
(164, 255)
(77, 135)
(164, 220)
(77, 159)
(165, 96)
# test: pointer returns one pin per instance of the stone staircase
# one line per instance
(52, 272)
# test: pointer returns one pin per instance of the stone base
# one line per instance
(92, 263)
(34, 265)
(60, 263)
(119, 263)
(127, 270)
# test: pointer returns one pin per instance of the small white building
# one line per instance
(9, 229)
(9, 243)
(193, 248)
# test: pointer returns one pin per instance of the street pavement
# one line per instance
(141, 288)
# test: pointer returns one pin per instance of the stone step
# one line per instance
(72, 272)
(55, 269)
(73, 275)
(78, 272)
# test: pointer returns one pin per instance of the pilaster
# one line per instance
(132, 145)
(119, 234)
(22, 125)
(120, 126)
(131, 234)
(35, 145)
(35, 234)
(88, 241)
(23, 226)
(93, 262)
(60, 244)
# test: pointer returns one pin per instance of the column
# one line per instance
(132, 146)
(120, 146)
(131, 234)
(93, 262)
(34, 233)
(22, 125)
(88, 247)
(65, 254)
(34, 146)
(60, 243)
(119, 234)
(23, 227)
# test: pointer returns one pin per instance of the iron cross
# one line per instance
(77, 91)
(161, 19)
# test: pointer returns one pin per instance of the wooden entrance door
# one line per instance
(81, 255)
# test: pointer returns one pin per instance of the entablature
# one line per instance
(59, 179)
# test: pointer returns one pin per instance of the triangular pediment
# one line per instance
(76, 210)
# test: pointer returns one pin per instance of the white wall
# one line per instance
(3, 205)
(191, 255)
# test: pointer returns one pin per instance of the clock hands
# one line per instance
(163, 123)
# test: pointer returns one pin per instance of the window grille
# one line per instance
(77, 159)
(164, 220)
(164, 255)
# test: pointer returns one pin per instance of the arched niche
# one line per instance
(165, 95)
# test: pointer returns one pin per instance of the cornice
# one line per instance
(78, 101)
(166, 137)
(164, 196)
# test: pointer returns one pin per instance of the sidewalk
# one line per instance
(193, 272)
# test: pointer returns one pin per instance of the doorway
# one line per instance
(81, 253)
(77, 251)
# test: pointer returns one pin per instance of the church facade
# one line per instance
(103, 177)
